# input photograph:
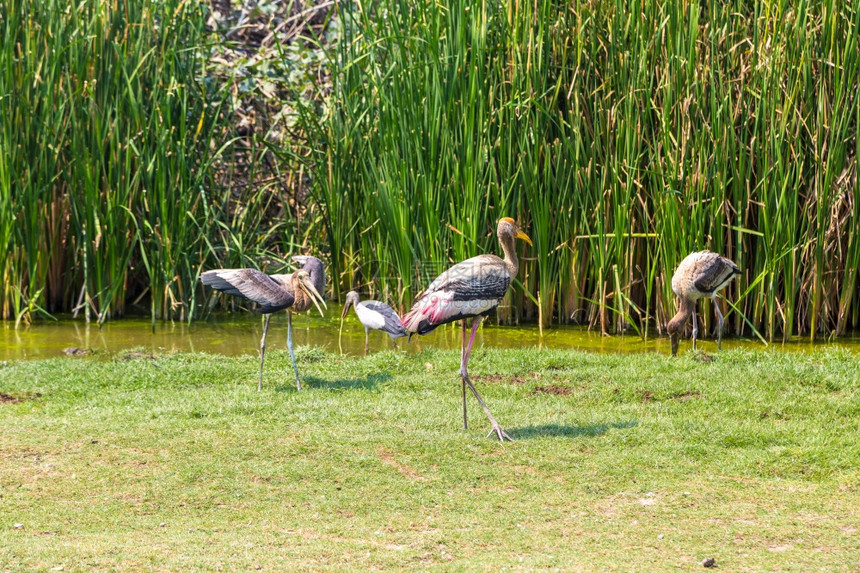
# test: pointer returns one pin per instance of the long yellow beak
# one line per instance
(345, 310)
(524, 237)
(316, 297)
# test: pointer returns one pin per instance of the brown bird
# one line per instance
(298, 291)
(700, 275)
(472, 288)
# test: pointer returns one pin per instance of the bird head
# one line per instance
(351, 299)
(674, 329)
(674, 337)
(509, 226)
(302, 280)
(676, 326)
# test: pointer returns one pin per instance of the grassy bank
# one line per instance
(621, 462)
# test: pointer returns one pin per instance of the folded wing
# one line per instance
(473, 287)
(390, 319)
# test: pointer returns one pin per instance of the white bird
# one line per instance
(296, 291)
(374, 315)
(700, 275)
(472, 288)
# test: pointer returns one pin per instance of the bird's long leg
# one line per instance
(464, 374)
(263, 351)
(720, 323)
(366, 339)
(394, 344)
(290, 347)
(695, 329)
(462, 368)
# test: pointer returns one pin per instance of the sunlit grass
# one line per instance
(178, 462)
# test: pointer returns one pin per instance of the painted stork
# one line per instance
(700, 275)
(472, 288)
(296, 291)
(374, 315)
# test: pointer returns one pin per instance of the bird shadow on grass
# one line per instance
(557, 431)
(367, 383)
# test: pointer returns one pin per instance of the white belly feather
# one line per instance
(369, 318)
(449, 308)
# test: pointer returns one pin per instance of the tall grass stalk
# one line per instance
(107, 132)
(622, 135)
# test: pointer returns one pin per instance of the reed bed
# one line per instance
(623, 135)
(106, 130)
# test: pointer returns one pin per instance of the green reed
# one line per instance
(107, 136)
(622, 135)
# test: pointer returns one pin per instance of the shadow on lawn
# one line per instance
(366, 383)
(556, 431)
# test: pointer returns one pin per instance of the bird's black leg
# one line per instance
(263, 351)
(720, 322)
(290, 347)
(366, 339)
(462, 369)
(695, 329)
(464, 374)
(394, 344)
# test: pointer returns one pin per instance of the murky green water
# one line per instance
(240, 334)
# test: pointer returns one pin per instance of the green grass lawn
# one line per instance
(621, 462)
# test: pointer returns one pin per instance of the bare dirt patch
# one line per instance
(502, 379)
(14, 399)
(553, 389)
(648, 396)
(683, 397)
(703, 357)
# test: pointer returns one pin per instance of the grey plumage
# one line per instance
(702, 274)
(392, 319)
(716, 275)
(253, 285)
(295, 291)
(473, 287)
(483, 276)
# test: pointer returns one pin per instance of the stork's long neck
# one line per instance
(678, 321)
(315, 268)
(508, 246)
